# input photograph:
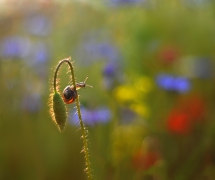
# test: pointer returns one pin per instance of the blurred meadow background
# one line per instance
(151, 113)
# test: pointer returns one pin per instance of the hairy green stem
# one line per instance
(83, 130)
(57, 69)
(84, 137)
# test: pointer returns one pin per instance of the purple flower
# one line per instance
(102, 115)
(90, 50)
(14, 47)
(37, 58)
(108, 51)
(100, 50)
(182, 84)
(165, 81)
(91, 117)
(172, 83)
(111, 75)
(109, 70)
(38, 25)
(38, 54)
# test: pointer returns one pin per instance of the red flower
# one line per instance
(189, 111)
(179, 122)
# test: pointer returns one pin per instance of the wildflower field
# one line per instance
(151, 112)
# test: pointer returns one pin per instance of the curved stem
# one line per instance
(56, 72)
(83, 130)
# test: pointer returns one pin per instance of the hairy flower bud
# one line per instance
(59, 111)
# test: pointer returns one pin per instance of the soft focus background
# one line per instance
(151, 113)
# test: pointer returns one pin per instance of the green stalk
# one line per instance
(83, 130)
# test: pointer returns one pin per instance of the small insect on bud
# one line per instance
(59, 111)
(70, 94)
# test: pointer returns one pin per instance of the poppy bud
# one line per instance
(59, 111)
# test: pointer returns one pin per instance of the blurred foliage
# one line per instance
(150, 114)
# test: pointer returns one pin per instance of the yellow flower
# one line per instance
(140, 109)
(126, 93)
(134, 94)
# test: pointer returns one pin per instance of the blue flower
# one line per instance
(14, 47)
(37, 58)
(38, 54)
(109, 70)
(102, 115)
(165, 81)
(38, 25)
(182, 85)
(171, 83)
(91, 50)
(111, 75)
(108, 51)
(91, 117)
(100, 51)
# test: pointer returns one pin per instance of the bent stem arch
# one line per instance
(83, 130)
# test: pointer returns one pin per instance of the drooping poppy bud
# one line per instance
(59, 111)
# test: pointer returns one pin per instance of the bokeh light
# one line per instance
(150, 113)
